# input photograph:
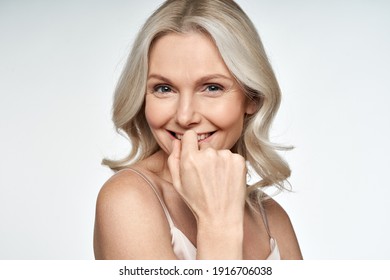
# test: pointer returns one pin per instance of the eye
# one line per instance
(213, 88)
(162, 89)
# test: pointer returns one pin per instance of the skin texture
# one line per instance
(190, 88)
(190, 96)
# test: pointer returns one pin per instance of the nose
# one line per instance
(187, 114)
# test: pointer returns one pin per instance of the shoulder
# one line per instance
(123, 185)
(128, 215)
(282, 230)
(125, 190)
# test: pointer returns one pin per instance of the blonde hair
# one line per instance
(241, 49)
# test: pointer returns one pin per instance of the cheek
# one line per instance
(228, 117)
(154, 114)
(149, 116)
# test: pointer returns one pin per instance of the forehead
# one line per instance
(192, 52)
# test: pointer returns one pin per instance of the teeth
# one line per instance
(200, 136)
(203, 136)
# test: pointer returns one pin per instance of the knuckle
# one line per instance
(225, 153)
(238, 159)
(210, 152)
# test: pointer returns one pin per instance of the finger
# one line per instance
(174, 163)
(204, 145)
(189, 142)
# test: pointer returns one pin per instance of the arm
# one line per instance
(213, 184)
(130, 223)
(282, 230)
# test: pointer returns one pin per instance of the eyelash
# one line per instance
(163, 89)
(218, 87)
(157, 88)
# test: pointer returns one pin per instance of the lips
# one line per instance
(201, 136)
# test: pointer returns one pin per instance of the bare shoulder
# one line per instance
(282, 230)
(130, 222)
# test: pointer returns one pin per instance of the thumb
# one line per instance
(174, 163)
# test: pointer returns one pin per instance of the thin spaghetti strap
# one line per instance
(265, 219)
(169, 218)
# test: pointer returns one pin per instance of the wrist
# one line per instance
(220, 240)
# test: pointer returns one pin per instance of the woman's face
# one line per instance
(189, 87)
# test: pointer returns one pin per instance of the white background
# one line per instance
(59, 62)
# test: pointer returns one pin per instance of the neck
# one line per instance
(158, 164)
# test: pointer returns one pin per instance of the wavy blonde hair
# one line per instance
(241, 49)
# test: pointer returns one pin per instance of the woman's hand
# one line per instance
(212, 183)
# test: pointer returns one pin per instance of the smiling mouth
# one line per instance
(201, 136)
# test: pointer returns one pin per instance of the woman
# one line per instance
(196, 99)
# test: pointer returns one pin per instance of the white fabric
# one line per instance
(185, 250)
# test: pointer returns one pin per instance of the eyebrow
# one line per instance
(198, 81)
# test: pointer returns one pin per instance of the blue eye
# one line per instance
(162, 89)
(213, 88)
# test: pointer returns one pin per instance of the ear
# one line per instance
(251, 107)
